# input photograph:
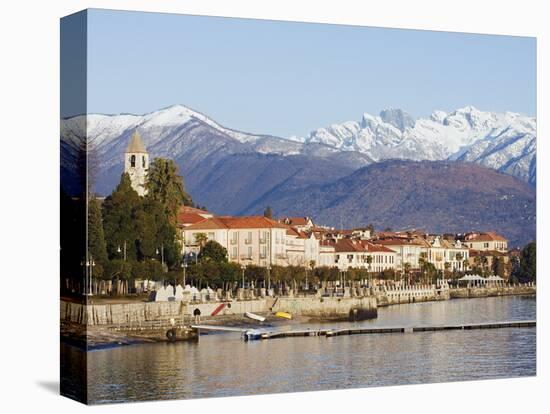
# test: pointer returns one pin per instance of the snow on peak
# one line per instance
(398, 118)
(395, 134)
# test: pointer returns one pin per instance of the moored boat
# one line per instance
(254, 316)
(284, 315)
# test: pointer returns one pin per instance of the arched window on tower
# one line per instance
(143, 161)
(133, 161)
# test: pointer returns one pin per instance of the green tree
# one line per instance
(201, 239)
(528, 264)
(212, 251)
(498, 266)
(120, 219)
(164, 184)
(96, 237)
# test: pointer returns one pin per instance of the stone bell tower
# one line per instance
(136, 163)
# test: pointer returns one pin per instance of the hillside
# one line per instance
(437, 196)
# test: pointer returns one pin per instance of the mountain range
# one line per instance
(235, 172)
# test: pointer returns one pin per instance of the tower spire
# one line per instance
(136, 163)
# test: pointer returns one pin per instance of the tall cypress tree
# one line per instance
(96, 237)
(165, 185)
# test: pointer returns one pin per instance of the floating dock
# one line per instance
(258, 333)
(382, 330)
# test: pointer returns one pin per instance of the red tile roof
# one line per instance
(487, 236)
(189, 218)
(229, 222)
(349, 245)
(193, 210)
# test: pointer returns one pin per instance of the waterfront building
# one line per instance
(136, 163)
(407, 251)
(486, 241)
(355, 253)
(249, 240)
(302, 249)
(446, 255)
(485, 260)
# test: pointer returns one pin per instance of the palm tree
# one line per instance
(201, 239)
(407, 269)
(369, 262)
(422, 263)
(447, 266)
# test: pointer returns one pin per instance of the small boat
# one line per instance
(254, 316)
(284, 315)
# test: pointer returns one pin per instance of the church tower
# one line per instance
(136, 163)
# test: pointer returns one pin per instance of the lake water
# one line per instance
(224, 365)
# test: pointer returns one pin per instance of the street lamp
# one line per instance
(243, 267)
(268, 279)
(124, 249)
(184, 266)
(161, 254)
(88, 276)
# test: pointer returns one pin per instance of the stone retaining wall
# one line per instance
(482, 292)
(162, 312)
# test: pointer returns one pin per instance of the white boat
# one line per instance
(254, 316)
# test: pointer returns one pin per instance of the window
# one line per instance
(249, 252)
(234, 253)
(143, 161)
(132, 161)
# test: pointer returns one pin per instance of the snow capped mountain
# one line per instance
(503, 141)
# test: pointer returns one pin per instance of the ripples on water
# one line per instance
(224, 365)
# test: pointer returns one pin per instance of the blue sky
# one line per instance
(287, 78)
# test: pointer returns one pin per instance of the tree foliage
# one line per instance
(165, 185)
(527, 271)
(212, 251)
(96, 237)
(268, 212)
(140, 224)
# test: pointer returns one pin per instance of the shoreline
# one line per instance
(97, 337)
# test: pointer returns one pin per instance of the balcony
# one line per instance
(263, 241)
(247, 241)
(246, 257)
(233, 241)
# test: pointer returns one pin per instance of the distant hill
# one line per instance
(436, 196)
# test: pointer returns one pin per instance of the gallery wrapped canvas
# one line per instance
(253, 207)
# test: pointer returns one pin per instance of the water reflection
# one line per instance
(224, 365)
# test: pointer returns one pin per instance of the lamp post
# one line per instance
(122, 250)
(268, 279)
(184, 266)
(88, 276)
(161, 254)
(243, 267)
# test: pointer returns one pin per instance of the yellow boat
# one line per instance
(284, 315)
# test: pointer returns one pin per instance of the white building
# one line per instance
(249, 240)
